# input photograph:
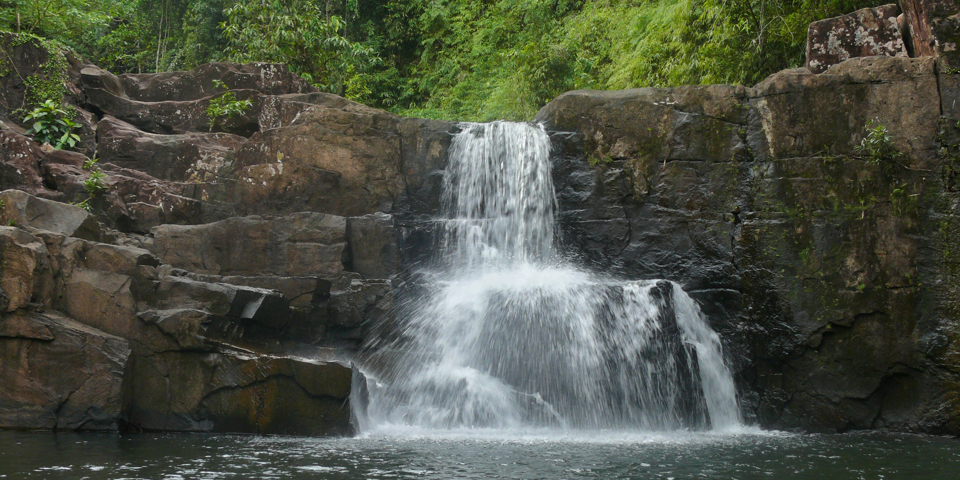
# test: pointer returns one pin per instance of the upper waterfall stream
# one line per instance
(504, 333)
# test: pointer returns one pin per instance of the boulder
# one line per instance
(8, 126)
(25, 210)
(277, 111)
(266, 78)
(137, 202)
(25, 62)
(934, 30)
(294, 245)
(176, 102)
(424, 146)
(344, 160)
(106, 96)
(134, 201)
(59, 374)
(316, 150)
(865, 33)
(30, 64)
(182, 329)
(239, 302)
(302, 292)
(102, 299)
(238, 393)
(27, 276)
(661, 122)
(802, 114)
(194, 157)
(20, 162)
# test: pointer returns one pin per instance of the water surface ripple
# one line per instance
(473, 454)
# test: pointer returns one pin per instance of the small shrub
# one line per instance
(94, 183)
(85, 204)
(226, 106)
(51, 124)
(90, 164)
(877, 147)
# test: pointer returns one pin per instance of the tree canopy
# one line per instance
(456, 59)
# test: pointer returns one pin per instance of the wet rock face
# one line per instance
(864, 33)
(235, 392)
(59, 374)
(829, 275)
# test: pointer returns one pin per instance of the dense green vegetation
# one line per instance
(463, 59)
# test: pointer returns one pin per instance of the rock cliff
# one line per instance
(228, 267)
(827, 267)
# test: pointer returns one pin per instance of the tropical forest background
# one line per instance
(453, 59)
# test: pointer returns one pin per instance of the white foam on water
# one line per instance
(506, 336)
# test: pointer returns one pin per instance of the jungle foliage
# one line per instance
(460, 59)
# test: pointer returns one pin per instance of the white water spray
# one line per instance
(505, 334)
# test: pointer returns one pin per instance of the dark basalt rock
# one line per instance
(825, 274)
(238, 392)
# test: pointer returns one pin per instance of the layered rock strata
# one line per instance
(225, 271)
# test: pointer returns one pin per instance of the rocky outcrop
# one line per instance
(19, 162)
(338, 157)
(865, 33)
(825, 266)
(238, 339)
(59, 374)
(223, 278)
(294, 245)
(197, 157)
(176, 102)
(21, 208)
(244, 258)
(239, 392)
(266, 78)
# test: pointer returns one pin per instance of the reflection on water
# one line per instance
(407, 453)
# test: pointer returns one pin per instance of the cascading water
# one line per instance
(505, 334)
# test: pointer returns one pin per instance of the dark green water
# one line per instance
(546, 455)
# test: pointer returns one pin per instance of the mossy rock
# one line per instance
(32, 71)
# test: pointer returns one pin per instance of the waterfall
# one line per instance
(503, 333)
